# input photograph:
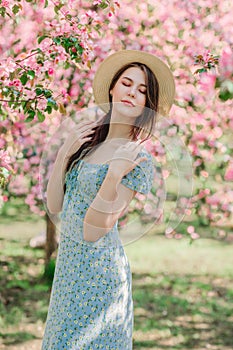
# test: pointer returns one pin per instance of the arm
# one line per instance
(111, 199)
(74, 141)
(113, 196)
(55, 193)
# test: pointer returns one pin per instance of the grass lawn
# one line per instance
(182, 294)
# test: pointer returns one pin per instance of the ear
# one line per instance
(110, 92)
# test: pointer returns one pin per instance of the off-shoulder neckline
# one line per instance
(103, 164)
(98, 164)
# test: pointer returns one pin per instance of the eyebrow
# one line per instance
(132, 80)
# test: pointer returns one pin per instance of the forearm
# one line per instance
(55, 191)
(104, 210)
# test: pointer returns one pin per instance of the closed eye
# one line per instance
(126, 84)
(141, 91)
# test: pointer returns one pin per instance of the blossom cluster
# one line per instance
(49, 57)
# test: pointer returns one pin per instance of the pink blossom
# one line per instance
(2, 142)
(50, 71)
(203, 193)
(5, 160)
(172, 131)
(46, 44)
(174, 31)
(4, 3)
(204, 173)
(148, 208)
(229, 172)
(188, 212)
(195, 235)
(190, 229)
(19, 185)
(213, 200)
(178, 236)
(5, 198)
(222, 233)
(165, 173)
(34, 160)
(207, 82)
(10, 65)
(226, 63)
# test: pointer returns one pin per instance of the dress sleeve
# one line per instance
(141, 177)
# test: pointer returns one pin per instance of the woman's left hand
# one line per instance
(124, 158)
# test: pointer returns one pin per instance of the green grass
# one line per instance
(182, 293)
(157, 254)
(183, 311)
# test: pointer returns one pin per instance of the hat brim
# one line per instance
(110, 66)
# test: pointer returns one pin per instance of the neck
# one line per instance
(119, 131)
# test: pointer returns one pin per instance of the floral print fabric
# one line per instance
(91, 304)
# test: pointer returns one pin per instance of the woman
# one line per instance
(97, 173)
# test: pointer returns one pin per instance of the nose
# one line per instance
(131, 92)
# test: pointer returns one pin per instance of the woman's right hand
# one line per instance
(80, 134)
(124, 158)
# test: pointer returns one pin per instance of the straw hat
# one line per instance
(108, 68)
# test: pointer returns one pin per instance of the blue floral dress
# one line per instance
(91, 303)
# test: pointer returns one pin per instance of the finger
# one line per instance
(85, 123)
(136, 144)
(89, 133)
(85, 128)
(141, 159)
(131, 144)
(88, 121)
(85, 139)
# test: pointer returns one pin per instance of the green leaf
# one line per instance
(79, 48)
(24, 79)
(41, 38)
(31, 74)
(57, 8)
(52, 103)
(217, 83)
(69, 17)
(31, 113)
(15, 9)
(47, 93)
(29, 118)
(2, 11)
(103, 5)
(24, 104)
(73, 39)
(66, 65)
(46, 3)
(225, 95)
(38, 91)
(57, 40)
(202, 70)
(48, 109)
(226, 91)
(40, 116)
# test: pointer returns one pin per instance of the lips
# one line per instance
(127, 102)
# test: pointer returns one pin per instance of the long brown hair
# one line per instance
(146, 119)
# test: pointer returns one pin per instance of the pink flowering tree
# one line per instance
(46, 49)
(49, 60)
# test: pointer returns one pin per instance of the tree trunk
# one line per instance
(51, 242)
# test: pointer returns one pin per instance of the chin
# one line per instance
(128, 112)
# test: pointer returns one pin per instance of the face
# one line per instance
(129, 93)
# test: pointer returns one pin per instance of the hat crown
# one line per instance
(113, 63)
